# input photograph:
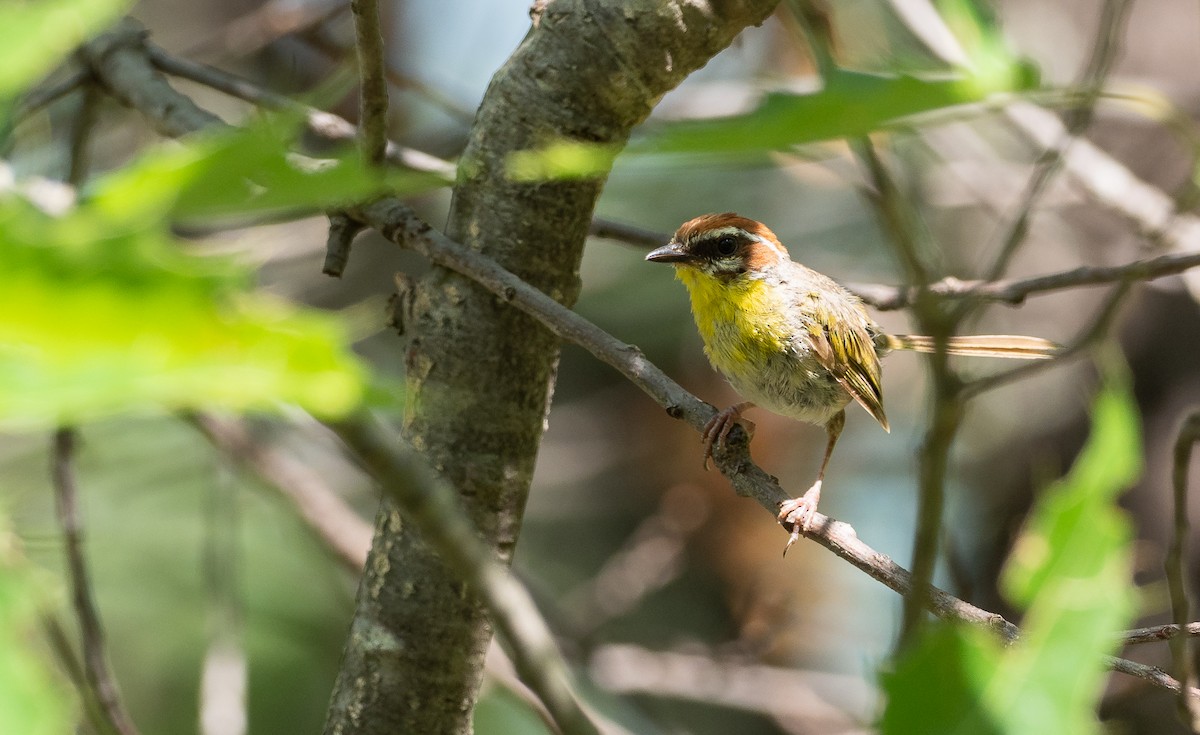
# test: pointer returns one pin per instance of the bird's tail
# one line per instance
(981, 345)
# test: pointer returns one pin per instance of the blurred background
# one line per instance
(668, 590)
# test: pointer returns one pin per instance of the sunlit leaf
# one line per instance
(1071, 572)
(851, 104)
(961, 660)
(974, 25)
(249, 170)
(37, 36)
(96, 322)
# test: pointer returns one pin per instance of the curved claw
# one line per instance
(718, 427)
(797, 513)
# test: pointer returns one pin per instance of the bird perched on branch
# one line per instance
(792, 340)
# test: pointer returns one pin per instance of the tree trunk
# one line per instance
(480, 375)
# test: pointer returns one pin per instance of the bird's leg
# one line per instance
(719, 426)
(797, 513)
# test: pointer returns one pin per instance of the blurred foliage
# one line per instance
(33, 701)
(35, 36)
(1071, 572)
(104, 313)
(850, 104)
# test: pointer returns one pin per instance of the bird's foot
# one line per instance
(718, 427)
(797, 513)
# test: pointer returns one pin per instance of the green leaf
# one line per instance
(37, 36)
(33, 700)
(851, 104)
(99, 317)
(244, 171)
(1071, 572)
(961, 660)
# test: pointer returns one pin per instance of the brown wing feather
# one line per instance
(845, 348)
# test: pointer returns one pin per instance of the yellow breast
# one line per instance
(740, 321)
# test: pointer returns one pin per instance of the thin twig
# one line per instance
(1152, 674)
(373, 91)
(628, 234)
(899, 220)
(1156, 633)
(432, 503)
(81, 134)
(910, 239)
(1181, 648)
(324, 125)
(342, 230)
(64, 652)
(1052, 159)
(1089, 336)
(95, 658)
(40, 97)
(1014, 291)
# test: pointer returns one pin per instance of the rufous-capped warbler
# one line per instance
(792, 340)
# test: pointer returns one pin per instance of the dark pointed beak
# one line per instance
(672, 252)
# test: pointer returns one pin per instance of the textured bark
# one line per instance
(480, 374)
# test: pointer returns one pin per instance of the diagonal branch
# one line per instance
(95, 657)
(433, 503)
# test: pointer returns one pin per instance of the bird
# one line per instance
(792, 340)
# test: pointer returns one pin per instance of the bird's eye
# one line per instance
(727, 245)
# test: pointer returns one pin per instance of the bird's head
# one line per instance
(722, 246)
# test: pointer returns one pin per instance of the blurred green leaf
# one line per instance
(961, 660)
(98, 318)
(851, 104)
(248, 170)
(1071, 572)
(974, 25)
(33, 701)
(36, 36)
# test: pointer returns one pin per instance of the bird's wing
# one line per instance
(844, 347)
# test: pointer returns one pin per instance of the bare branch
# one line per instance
(628, 234)
(81, 134)
(373, 91)
(1181, 648)
(118, 60)
(323, 125)
(1152, 674)
(41, 97)
(95, 657)
(342, 230)
(1157, 633)
(1014, 291)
